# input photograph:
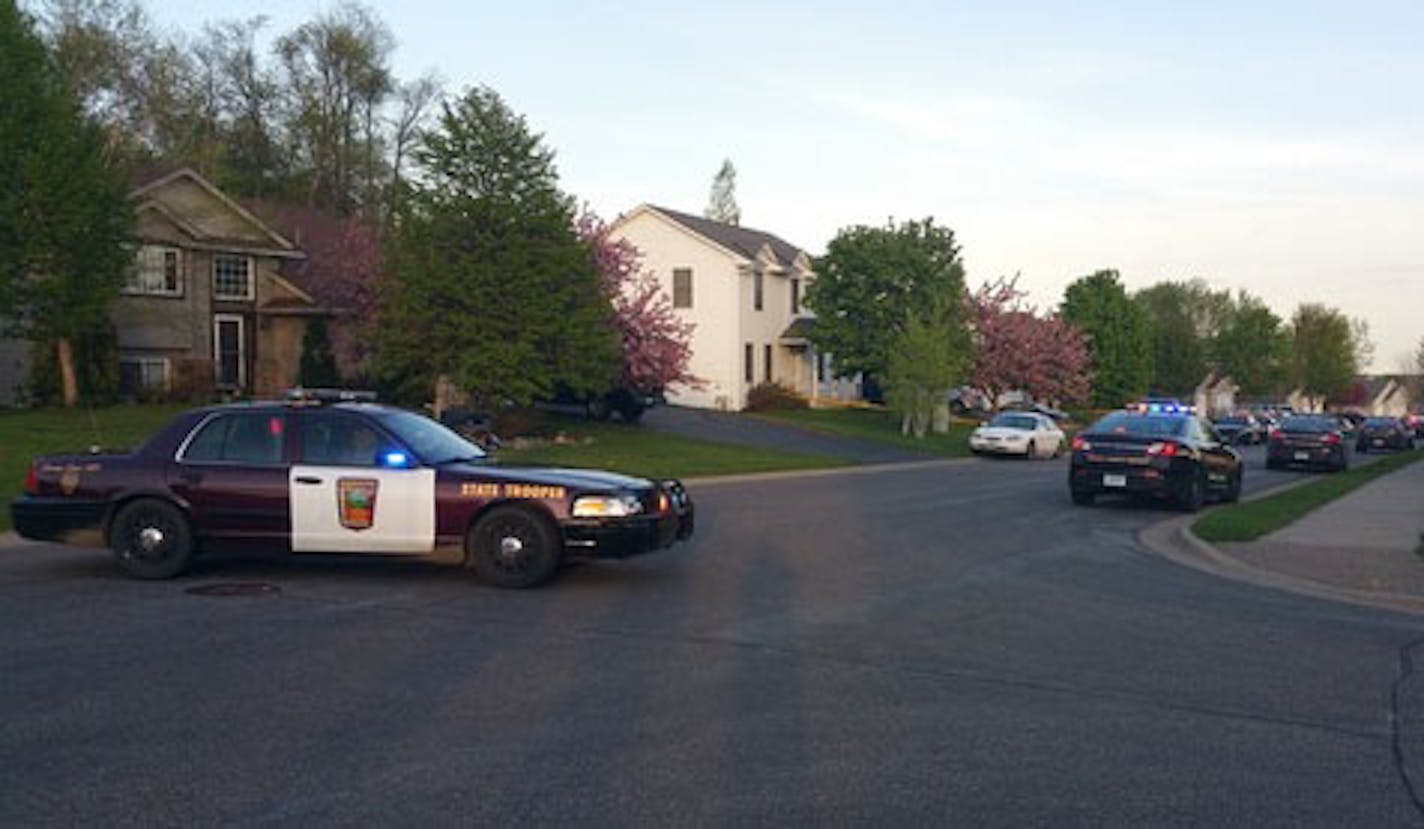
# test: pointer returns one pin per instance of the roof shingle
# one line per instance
(743, 240)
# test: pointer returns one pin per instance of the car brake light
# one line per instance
(1277, 434)
(663, 503)
(1080, 445)
(32, 481)
(1164, 449)
(1332, 438)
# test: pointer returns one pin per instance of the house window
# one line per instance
(682, 287)
(821, 361)
(795, 296)
(756, 291)
(749, 363)
(138, 374)
(232, 277)
(766, 363)
(157, 271)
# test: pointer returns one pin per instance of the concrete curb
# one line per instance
(1174, 540)
(827, 472)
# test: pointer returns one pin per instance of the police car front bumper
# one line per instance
(624, 537)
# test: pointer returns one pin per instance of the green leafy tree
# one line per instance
(1119, 336)
(1324, 351)
(1186, 317)
(1253, 347)
(929, 357)
(488, 283)
(64, 215)
(318, 364)
(871, 282)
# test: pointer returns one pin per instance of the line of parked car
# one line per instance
(1162, 448)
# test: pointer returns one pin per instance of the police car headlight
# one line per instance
(606, 506)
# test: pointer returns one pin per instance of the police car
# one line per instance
(1161, 450)
(334, 472)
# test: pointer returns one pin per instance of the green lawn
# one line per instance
(877, 425)
(646, 453)
(27, 433)
(1249, 521)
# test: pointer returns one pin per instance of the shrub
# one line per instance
(769, 397)
(520, 422)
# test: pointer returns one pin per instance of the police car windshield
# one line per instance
(1143, 425)
(432, 442)
(1014, 421)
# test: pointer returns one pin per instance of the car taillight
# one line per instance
(664, 504)
(32, 481)
(1277, 434)
(1080, 445)
(1332, 438)
(1164, 449)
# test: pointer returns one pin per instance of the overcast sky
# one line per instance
(1277, 147)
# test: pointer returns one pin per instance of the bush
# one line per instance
(769, 397)
(520, 422)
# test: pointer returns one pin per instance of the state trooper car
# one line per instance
(334, 472)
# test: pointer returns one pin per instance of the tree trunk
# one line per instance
(941, 415)
(68, 385)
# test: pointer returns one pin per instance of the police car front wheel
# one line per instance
(512, 547)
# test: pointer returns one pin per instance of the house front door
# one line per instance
(229, 351)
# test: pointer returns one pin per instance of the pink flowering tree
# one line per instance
(1019, 349)
(657, 345)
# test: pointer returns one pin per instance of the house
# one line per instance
(207, 304)
(742, 289)
(1383, 397)
(1215, 395)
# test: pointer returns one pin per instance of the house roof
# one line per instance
(147, 180)
(1374, 385)
(743, 240)
(799, 329)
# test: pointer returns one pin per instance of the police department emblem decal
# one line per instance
(356, 502)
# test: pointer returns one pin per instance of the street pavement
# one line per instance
(940, 645)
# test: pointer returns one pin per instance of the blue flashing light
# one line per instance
(398, 460)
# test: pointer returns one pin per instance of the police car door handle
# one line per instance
(307, 479)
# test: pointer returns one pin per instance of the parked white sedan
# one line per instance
(1018, 433)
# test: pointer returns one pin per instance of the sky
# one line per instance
(1273, 147)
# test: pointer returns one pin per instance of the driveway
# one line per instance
(728, 427)
(951, 645)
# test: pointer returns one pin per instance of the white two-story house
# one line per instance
(743, 291)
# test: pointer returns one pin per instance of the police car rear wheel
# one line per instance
(151, 539)
(511, 547)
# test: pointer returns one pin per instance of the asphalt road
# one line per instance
(946, 645)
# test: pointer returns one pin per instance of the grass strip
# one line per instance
(876, 425)
(646, 453)
(1248, 521)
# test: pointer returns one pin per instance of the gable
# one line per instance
(648, 224)
(201, 212)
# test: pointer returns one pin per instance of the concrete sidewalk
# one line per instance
(1366, 540)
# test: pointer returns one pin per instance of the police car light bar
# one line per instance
(1162, 408)
(301, 395)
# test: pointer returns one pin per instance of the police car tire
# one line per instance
(1233, 490)
(176, 551)
(540, 557)
(1193, 495)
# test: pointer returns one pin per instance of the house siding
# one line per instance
(716, 345)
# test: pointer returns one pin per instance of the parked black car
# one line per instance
(1384, 433)
(1240, 429)
(1309, 440)
(1174, 456)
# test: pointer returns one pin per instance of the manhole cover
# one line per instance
(238, 588)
